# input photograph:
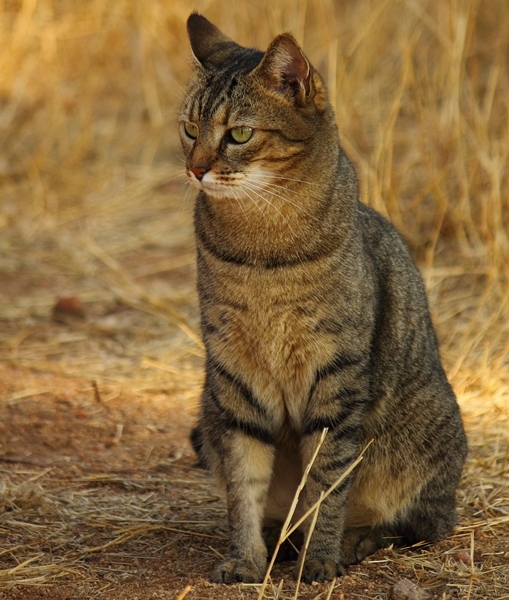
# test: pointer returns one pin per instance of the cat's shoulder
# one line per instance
(378, 230)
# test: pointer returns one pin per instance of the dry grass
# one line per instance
(93, 204)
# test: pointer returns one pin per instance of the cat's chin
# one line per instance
(220, 193)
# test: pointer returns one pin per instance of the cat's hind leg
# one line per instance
(431, 518)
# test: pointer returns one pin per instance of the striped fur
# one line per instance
(313, 315)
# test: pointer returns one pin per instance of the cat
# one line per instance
(313, 316)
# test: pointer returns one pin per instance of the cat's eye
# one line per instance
(191, 130)
(241, 134)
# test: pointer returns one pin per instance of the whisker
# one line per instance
(240, 204)
(253, 189)
(188, 188)
(275, 176)
(268, 184)
(168, 179)
(263, 188)
(253, 200)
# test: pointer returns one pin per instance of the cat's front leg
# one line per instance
(247, 466)
(338, 403)
(322, 561)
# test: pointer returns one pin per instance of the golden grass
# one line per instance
(93, 203)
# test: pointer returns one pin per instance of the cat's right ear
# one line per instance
(285, 69)
(210, 46)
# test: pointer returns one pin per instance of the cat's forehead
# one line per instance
(222, 97)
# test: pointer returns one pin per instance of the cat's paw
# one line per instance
(236, 570)
(321, 569)
(360, 542)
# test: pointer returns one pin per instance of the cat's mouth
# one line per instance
(232, 188)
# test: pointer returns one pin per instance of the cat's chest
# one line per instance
(265, 327)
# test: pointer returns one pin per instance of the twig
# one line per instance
(343, 476)
(97, 395)
(331, 589)
(304, 551)
(184, 592)
(472, 569)
(283, 535)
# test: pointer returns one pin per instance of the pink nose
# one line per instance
(198, 172)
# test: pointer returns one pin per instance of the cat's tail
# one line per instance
(196, 438)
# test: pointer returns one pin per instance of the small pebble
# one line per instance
(462, 556)
(407, 590)
(67, 310)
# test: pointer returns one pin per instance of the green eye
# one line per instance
(241, 134)
(191, 130)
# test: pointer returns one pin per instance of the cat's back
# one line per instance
(404, 346)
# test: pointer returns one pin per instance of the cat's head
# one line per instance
(252, 120)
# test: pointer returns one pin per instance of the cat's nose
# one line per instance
(198, 172)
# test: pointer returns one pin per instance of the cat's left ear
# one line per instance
(211, 47)
(285, 69)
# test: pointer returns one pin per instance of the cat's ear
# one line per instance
(285, 69)
(210, 46)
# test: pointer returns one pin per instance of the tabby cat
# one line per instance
(313, 315)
